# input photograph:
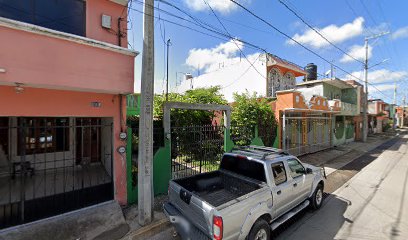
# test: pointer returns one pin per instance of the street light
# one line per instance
(365, 119)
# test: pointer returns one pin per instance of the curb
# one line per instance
(149, 230)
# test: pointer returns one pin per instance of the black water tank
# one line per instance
(311, 72)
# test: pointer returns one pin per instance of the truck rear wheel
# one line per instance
(260, 231)
(317, 197)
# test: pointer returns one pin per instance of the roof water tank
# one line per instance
(311, 72)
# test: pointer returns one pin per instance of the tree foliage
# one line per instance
(250, 110)
(182, 117)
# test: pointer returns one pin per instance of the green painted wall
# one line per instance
(349, 95)
(339, 127)
(257, 141)
(131, 191)
(345, 95)
(331, 92)
(133, 104)
(162, 164)
(162, 168)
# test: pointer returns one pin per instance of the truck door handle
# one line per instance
(279, 192)
(295, 184)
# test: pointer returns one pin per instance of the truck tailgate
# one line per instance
(193, 208)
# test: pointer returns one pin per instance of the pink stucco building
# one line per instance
(64, 70)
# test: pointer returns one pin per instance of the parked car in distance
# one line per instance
(255, 190)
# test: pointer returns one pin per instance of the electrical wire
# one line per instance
(236, 44)
(317, 31)
(300, 44)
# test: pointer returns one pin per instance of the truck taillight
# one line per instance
(217, 227)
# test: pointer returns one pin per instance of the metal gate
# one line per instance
(196, 149)
(52, 165)
(306, 132)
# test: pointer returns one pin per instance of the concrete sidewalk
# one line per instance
(335, 158)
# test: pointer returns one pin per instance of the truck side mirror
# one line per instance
(309, 171)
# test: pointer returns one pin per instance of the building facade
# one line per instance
(378, 115)
(65, 68)
(281, 74)
(341, 96)
(304, 125)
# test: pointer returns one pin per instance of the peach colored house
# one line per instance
(378, 115)
(304, 125)
(64, 72)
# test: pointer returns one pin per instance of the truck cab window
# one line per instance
(296, 168)
(279, 173)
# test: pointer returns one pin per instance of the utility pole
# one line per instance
(365, 103)
(167, 74)
(145, 158)
(395, 93)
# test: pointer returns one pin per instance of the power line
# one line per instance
(315, 30)
(368, 12)
(303, 46)
(236, 80)
(200, 24)
(236, 44)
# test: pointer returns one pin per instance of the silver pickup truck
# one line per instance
(255, 190)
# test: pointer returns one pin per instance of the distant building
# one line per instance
(342, 96)
(266, 75)
(281, 74)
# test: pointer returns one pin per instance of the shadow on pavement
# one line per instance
(315, 225)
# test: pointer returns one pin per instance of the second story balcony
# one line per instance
(346, 109)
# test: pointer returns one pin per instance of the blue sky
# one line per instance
(343, 22)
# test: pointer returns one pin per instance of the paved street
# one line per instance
(372, 205)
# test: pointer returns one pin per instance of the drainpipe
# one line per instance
(119, 32)
(121, 112)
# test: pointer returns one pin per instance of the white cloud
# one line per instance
(234, 74)
(223, 6)
(400, 33)
(210, 59)
(334, 33)
(381, 76)
(380, 87)
(358, 52)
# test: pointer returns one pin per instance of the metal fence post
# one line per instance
(284, 131)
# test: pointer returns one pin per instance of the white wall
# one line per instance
(237, 77)
(309, 92)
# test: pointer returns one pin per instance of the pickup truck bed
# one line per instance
(217, 188)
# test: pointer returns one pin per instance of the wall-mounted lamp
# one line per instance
(2, 70)
(18, 88)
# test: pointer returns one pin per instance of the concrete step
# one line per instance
(100, 222)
